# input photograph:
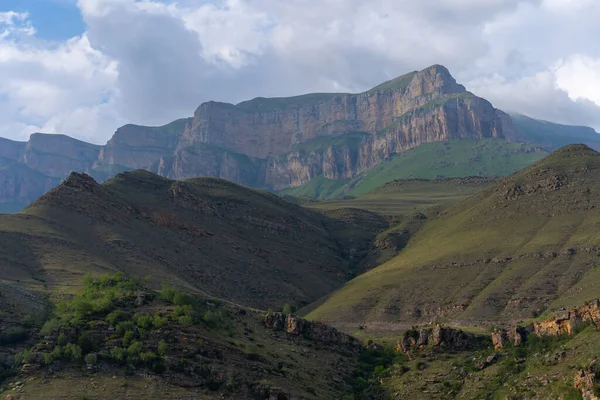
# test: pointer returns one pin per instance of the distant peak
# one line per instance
(574, 150)
(80, 181)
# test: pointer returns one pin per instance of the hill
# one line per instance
(451, 159)
(206, 235)
(120, 339)
(524, 246)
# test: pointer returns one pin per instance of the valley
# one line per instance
(411, 242)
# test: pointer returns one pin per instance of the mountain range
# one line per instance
(278, 143)
(421, 245)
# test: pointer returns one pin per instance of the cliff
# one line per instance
(274, 143)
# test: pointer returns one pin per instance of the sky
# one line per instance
(86, 67)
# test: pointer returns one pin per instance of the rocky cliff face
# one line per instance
(279, 142)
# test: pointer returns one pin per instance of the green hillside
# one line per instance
(524, 246)
(455, 158)
(551, 136)
(205, 234)
(406, 196)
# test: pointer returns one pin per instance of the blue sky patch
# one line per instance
(53, 19)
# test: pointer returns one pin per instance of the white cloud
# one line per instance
(152, 61)
(579, 76)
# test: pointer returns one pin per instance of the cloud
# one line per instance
(152, 61)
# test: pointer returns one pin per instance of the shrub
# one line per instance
(62, 339)
(143, 321)
(167, 293)
(134, 349)
(73, 352)
(86, 343)
(159, 322)
(83, 307)
(56, 353)
(48, 358)
(287, 309)
(183, 299)
(163, 348)
(24, 356)
(118, 354)
(128, 338)
(115, 317)
(183, 310)
(148, 357)
(124, 327)
(213, 319)
(186, 320)
(91, 359)
(49, 326)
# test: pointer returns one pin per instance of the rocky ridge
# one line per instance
(268, 143)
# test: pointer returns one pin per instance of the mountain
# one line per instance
(273, 143)
(524, 246)
(205, 234)
(279, 143)
(552, 136)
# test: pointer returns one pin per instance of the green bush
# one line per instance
(183, 299)
(72, 352)
(159, 322)
(24, 357)
(148, 357)
(57, 353)
(143, 321)
(213, 319)
(118, 354)
(91, 359)
(287, 309)
(163, 348)
(123, 327)
(185, 320)
(114, 317)
(86, 343)
(134, 349)
(62, 339)
(128, 338)
(48, 358)
(167, 293)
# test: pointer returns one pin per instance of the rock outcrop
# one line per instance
(272, 143)
(314, 331)
(567, 322)
(514, 336)
(586, 380)
(564, 323)
(438, 336)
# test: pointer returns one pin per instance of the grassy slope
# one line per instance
(459, 266)
(456, 158)
(542, 369)
(211, 350)
(405, 196)
(205, 234)
(552, 136)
